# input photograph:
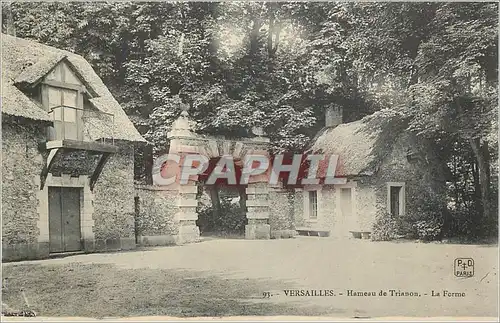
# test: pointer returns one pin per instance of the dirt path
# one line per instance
(230, 277)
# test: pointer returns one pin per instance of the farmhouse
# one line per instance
(68, 169)
(383, 176)
(67, 156)
(378, 169)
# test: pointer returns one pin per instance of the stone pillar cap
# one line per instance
(183, 126)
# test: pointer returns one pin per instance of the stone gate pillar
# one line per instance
(183, 140)
(257, 212)
(258, 197)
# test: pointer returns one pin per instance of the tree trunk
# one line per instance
(243, 198)
(481, 155)
(274, 30)
(413, 78)
(477, 188)
(213, 190)
(436, 175)
(254, 45)
(270, 33)
(180, 47)
(254, 36)
(456, 181)
(482, 161)
(9, 26)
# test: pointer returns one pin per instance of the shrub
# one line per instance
(385, 228)
(489, 227)
(231, 219)
(461, 223)
(427, 219)
(406, 227)
(428, 230)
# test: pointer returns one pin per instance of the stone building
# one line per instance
(382, 174)
(377, 172)
(67, 156)
(68, 169)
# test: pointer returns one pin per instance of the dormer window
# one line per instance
(62, 96)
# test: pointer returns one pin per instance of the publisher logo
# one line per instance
(464, 267)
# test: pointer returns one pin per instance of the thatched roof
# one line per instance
(13, 99)
(38, 70)
(26, 61)
(361, 145)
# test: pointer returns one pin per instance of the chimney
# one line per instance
(333, 116)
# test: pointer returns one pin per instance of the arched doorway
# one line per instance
(184, 141)
(221, 206)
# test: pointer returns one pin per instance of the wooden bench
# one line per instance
(361, 234)
(312, 232)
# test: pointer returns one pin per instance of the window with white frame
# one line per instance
(313, 204)
(396, 198)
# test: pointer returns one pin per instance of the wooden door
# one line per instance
(64, 219)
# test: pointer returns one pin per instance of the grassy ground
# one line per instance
(228, 278)
(103, 290)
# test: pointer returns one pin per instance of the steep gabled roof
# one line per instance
(32, 75)
(360, 145)
(25, 62)
(35, 72)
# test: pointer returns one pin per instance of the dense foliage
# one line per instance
(227, 218)
(279, 65)
(424, 222)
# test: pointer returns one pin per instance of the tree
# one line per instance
(280, 65)
(459, 73)
(442, 59)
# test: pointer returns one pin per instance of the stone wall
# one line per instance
(298, 208)
(397, 168)
(326, 206)
(366, 205)
(21, 162)
(156, 220)
(114, 202)
(364, 208)
(325, 211)
(281, 211)
(372, 191)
